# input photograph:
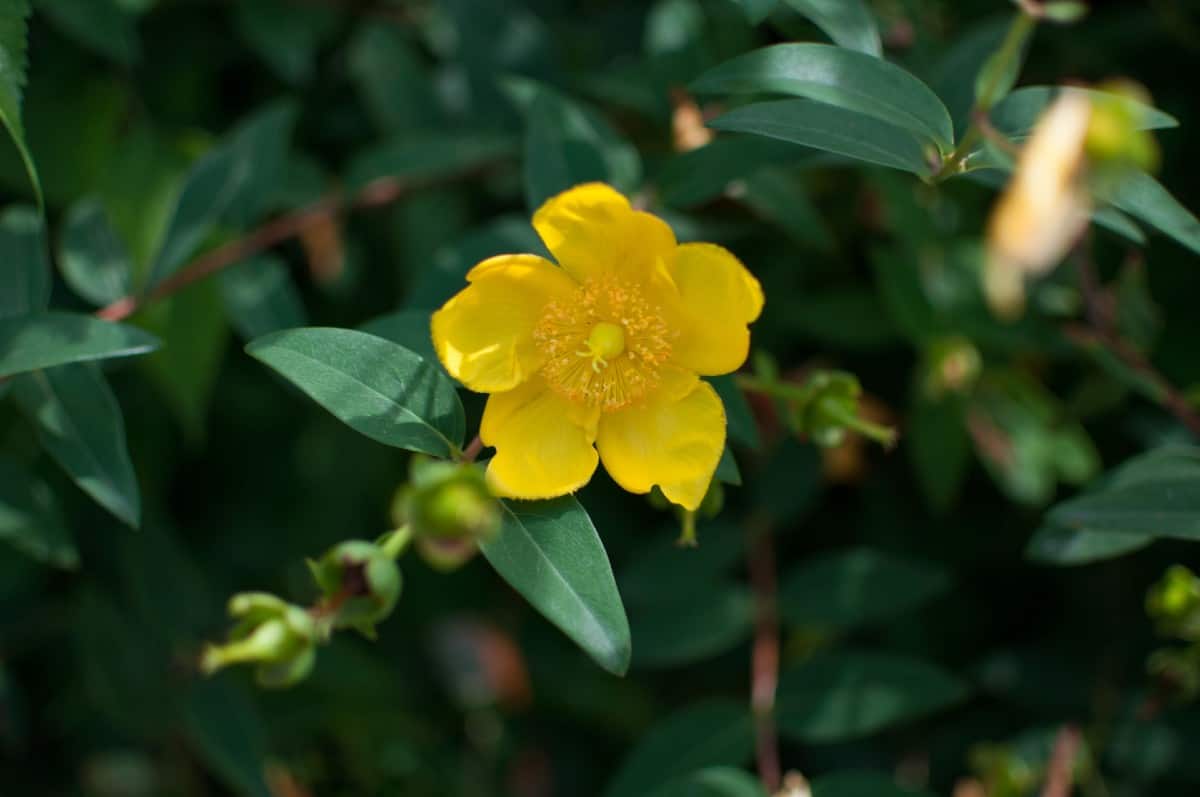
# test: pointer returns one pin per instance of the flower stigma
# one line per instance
(605, 345)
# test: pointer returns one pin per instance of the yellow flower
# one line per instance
(598, 358)
(1044, 209)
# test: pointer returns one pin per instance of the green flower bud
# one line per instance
(360, 585)
(446, 554)
(1174, 603)
(1115, 138)
(835, 399)
(952, 365)
(277, 636)
(447, 500)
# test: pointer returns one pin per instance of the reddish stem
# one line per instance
(472, 450)
(765, 654)
(1060, 775)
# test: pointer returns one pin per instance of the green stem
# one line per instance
(395, 542)
(833, 408)
(687, 537)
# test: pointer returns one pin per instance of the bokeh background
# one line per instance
(468, 691)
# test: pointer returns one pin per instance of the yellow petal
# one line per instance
(592, 230)
(543, 442)
(675, 444)
(484, 334)
(717, 298)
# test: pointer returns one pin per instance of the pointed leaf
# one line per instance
(48, 339)
(24, 270)
(378, 388)
(1061, 546)
(80, 424)
(549, 552)
(848, 22)
(829, 128)
(839, 696)
(93, 259)
(836, 76)
(103, 26)
(691, 627)
(13, 66)
(1143, 197)
(261, 297)
(1017, 113)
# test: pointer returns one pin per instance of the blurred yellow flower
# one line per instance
(598, 358)
(1044, 209)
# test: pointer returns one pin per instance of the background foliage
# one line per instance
(342, 164)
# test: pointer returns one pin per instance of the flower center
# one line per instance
(604, 345)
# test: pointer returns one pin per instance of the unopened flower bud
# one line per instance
(360, 584)
(1116, 138)
(1174, 603)
(277, 636)
(834, 409)
(448, 501)
(952, 366)
(446, 554)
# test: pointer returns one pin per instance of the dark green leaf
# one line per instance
(839, 77)
(848, 318)
(1058, 545)
(848, 22)
(839, 696)
(286, 35)
(409, 328)
(224, 727)
(861, 784)
(24, 271)
(93, 259)
(714, 782)
(857, 586)
(260, 297)
(712, 734)
(782, 200)
(567, 143)
(100, 25)
(420, 157)
(391, 77)
(378, 388)
(699, 175)
(231, 184)
(13, 65)
(1017, 113)
(48, 339)
(727, 468)
(1143, 197)
(663, 567)
(30, 519)
(939, 447)
(549, 552)
(80, 424)
(703, 622)
(743, 429)
(789, 483)
(757, 10)
(954, 76)
(829, 128)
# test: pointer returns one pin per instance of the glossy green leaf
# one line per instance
(848, 22)
(829, 128)
(1057, 545)
(857, 586)
(420, 157)
(953, 77)
(230, 184)
(549, 552)
(861, 784)
(702, 174)
(568, 143)
(1156, 495)
(1144, 198)
(376, 387)
(102, 26)
(1017, 113)
(840, 77)
(93, 259)
(30, 519)
(728, 471)
(689, 627)
(743, 429)
(285, 35)
(714, 782)
(81, 426)
(260, 297)
(13, 66)
(24, 270)
(846, 695)
(48, 339)
(713, 734)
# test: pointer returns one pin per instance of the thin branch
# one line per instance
(472, 450)
(1060, 775)
(1103, 331)
(764, 668)
(383, 191)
